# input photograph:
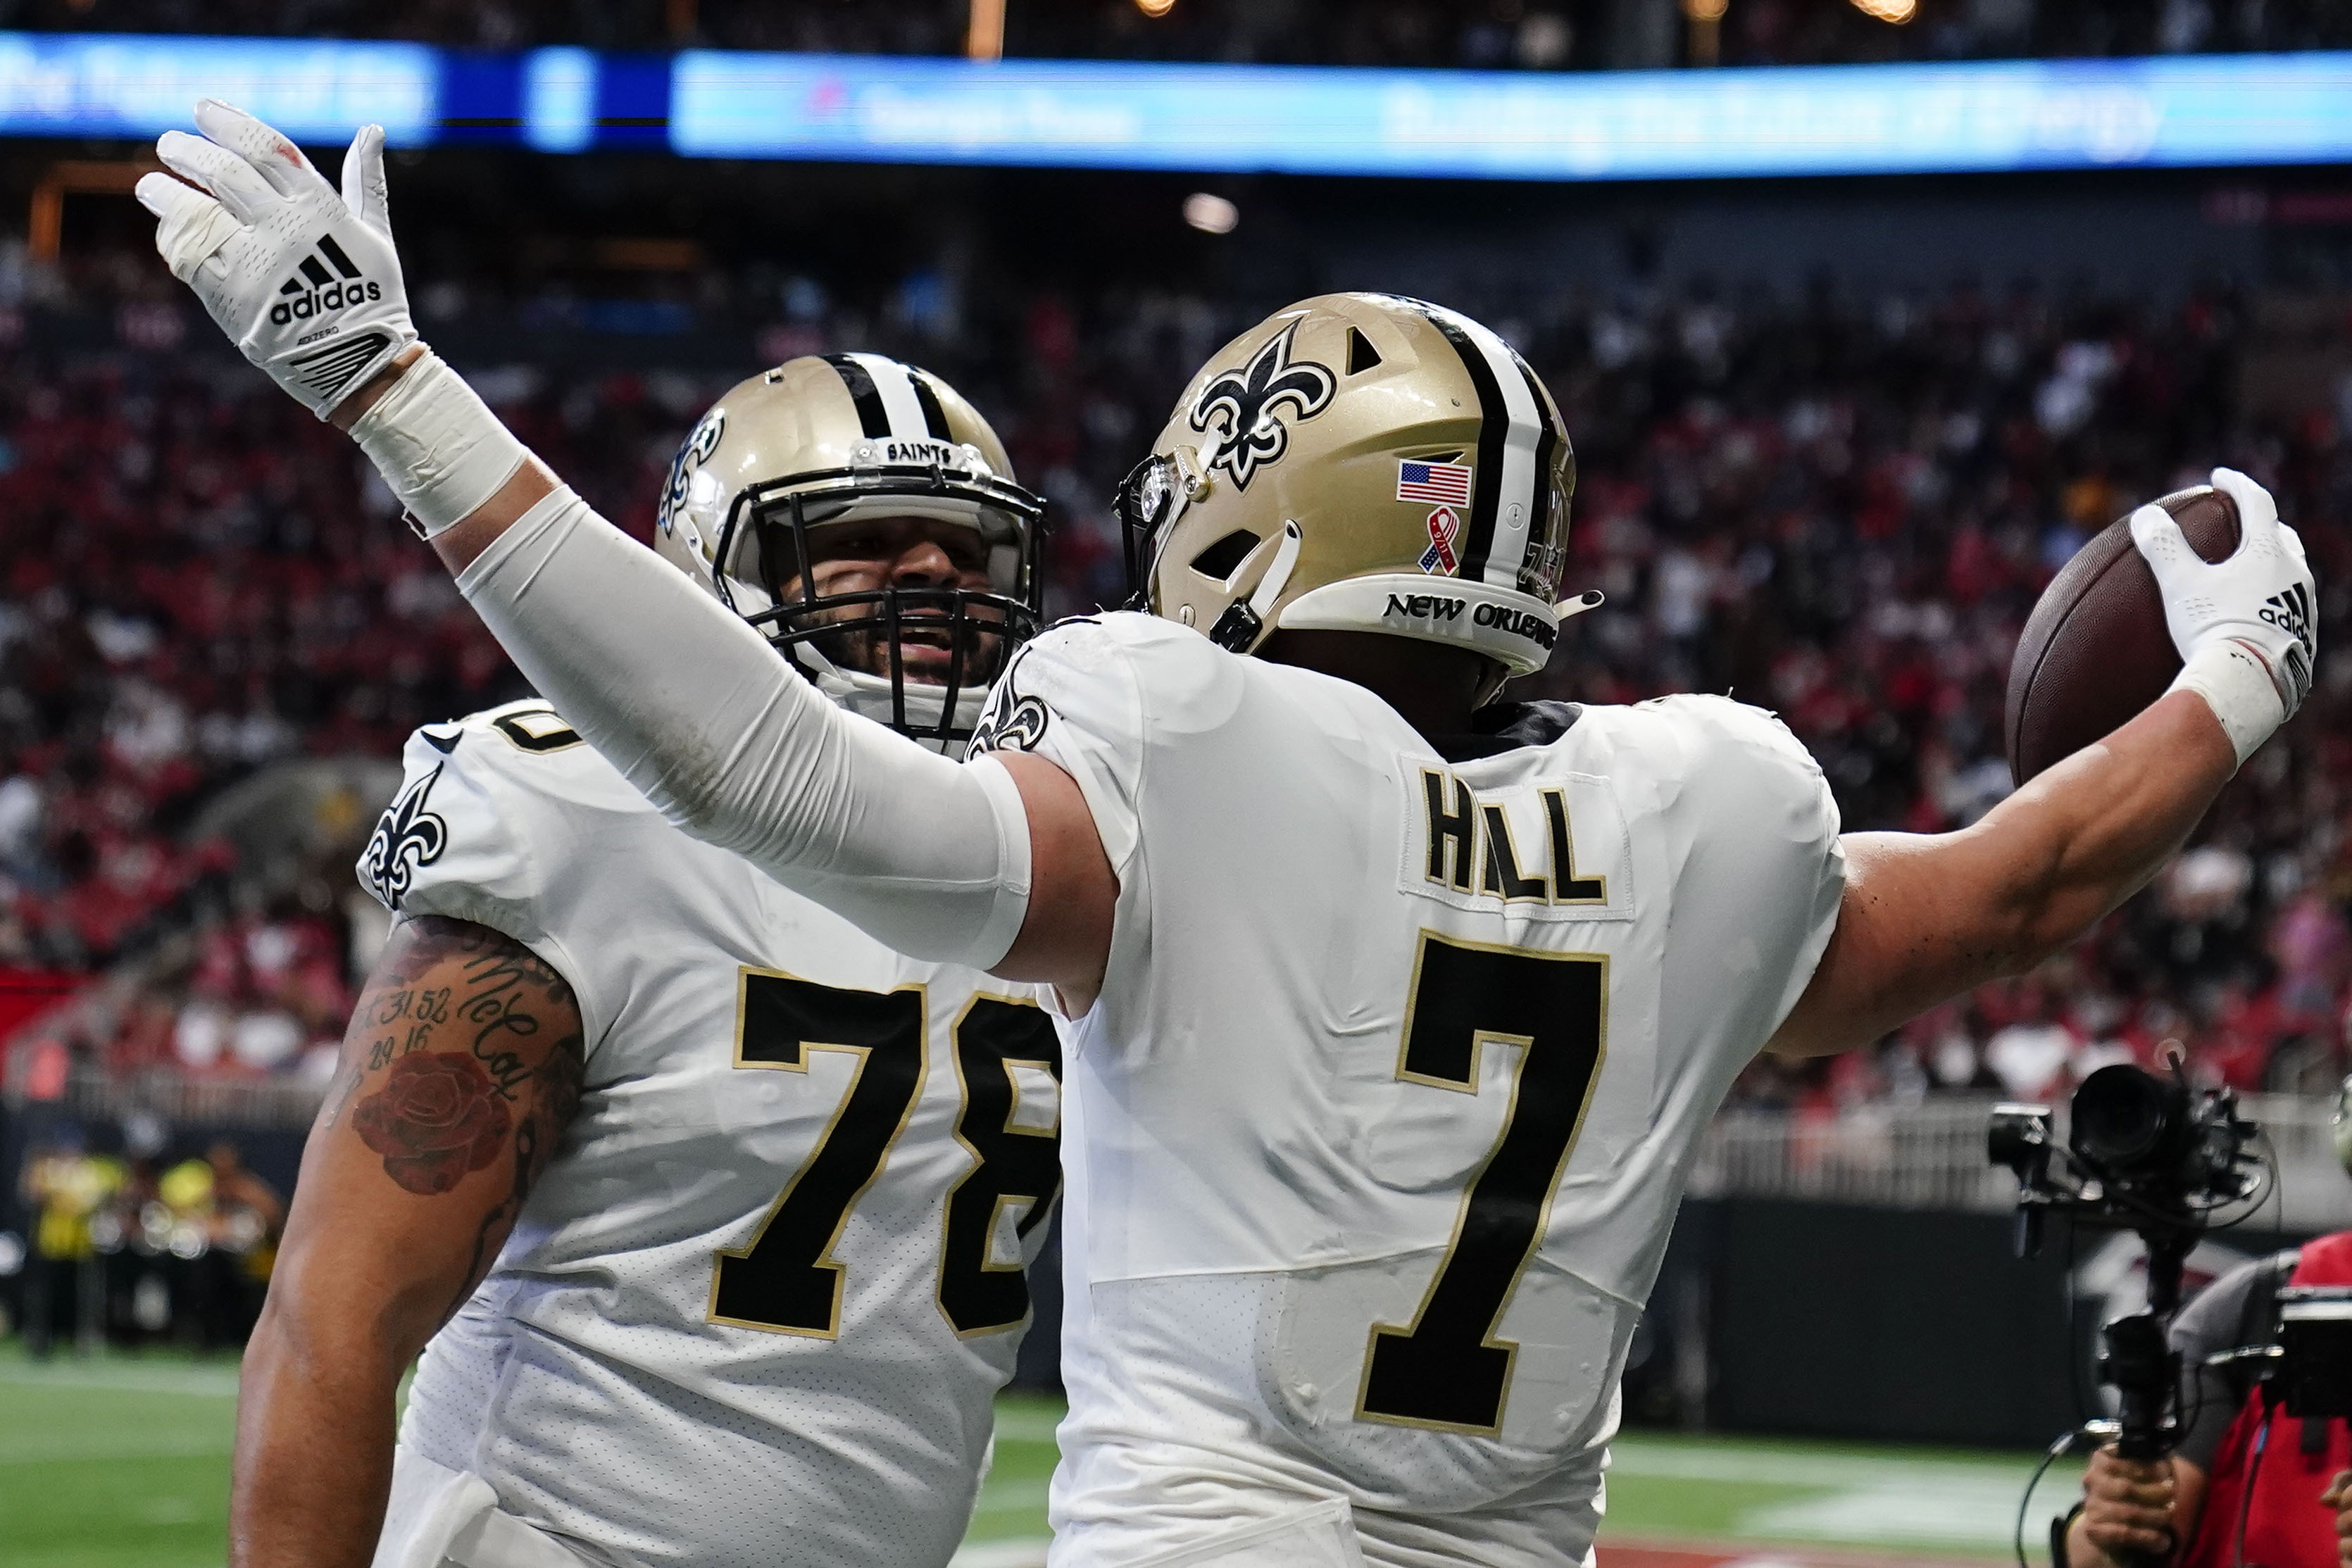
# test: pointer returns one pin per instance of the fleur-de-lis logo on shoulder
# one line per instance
(1012, 722)
(1244, 403)
(406, 836)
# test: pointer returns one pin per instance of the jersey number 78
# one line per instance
(1448, 1368)
(787, 1279)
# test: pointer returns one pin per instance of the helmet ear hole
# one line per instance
(1220, 558)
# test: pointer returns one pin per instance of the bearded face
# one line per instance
(871, 554)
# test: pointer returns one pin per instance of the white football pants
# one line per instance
(441, 1518)
(1321, 1536)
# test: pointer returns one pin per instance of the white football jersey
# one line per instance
(756, 1312)
(1378, 1128)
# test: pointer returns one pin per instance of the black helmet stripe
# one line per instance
(895, 385)
(1511, 428)
(871, 418)
(892, 399)
(1547, 452)
(935, 418)
(1478, 529)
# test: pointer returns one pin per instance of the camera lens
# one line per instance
(2121, 1116)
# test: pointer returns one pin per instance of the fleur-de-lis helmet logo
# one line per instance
(1245, 403)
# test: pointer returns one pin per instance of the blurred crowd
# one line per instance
(1843, 510)
(1837, 504)
(200, 580)
(1526, 34)
(200, 584)
(130, 1244)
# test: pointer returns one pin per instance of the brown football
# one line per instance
(2094, 651)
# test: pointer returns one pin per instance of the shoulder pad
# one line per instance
(1720, 717)
(474, 795)
(529, 726)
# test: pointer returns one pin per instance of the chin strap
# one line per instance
(1237, 628)
(1590, 599)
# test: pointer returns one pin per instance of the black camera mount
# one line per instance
(2147, 1154)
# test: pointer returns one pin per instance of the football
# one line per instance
(2096, 652)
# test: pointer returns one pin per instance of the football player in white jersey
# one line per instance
(1393, 1015)
(765, 1189)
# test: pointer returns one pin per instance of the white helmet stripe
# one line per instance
(1515, 509)
(896, 390)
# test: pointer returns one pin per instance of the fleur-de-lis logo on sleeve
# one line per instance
(406, 837)
(1245, 404)
(1012, 722)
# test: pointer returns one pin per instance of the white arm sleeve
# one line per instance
(929, 856)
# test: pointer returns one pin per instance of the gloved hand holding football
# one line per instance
(2258, 598)
(2205, 591)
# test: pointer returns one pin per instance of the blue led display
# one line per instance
(56, 84)
(1881, 119)
(2211, 110)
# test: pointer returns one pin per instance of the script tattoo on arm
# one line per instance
(465, 1053)
(461, 1070)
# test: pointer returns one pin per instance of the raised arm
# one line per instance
(996, 865)
(1927, 917)
(461, 1070)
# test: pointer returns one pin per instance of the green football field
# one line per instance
(123, 1463)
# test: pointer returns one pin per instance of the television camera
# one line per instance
(2144, 1154)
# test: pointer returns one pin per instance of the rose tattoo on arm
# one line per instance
(465, 1053)
(435, 1117)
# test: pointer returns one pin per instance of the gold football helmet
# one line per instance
(821, 442)
(1360, 463)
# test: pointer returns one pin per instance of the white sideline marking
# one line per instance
(1010, 1497)
(1672, 1461)
(1002, 1554)
(1025, 1427)
(1982, 1513)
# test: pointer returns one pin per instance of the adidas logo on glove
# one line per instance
(317, 291)
(2290, 611)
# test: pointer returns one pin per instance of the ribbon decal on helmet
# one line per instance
(1245, 404)
(1445, 524)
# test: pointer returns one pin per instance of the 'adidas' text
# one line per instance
(317, 291)
(2290, 611)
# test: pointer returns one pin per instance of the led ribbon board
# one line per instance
(1854, 120)
(318, 90)
(130, 85)
(2179, 111)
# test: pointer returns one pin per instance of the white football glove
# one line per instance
(305, 282)
(2247, 627)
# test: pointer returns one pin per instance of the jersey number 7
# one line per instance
(1448, 1368)
(787, 1279)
